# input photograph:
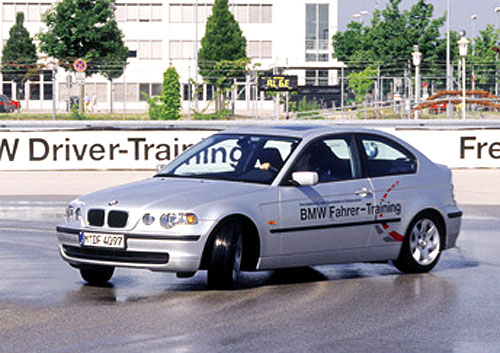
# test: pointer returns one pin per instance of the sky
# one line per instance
(460, 12)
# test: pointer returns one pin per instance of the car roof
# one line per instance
(297, 131)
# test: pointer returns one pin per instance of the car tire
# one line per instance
(422, 245)
(225, 262)
(97, 275)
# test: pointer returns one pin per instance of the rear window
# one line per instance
(385, 157)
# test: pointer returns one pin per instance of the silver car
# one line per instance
(265, 198)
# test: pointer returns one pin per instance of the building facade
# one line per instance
(283, 36)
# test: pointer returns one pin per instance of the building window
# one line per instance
(252, 13)
(186, 92)
(9, 12)
(260, 49)
(156, 12)
(47, 80)
(32, 11)
(138, 12)
(317, 32)
(317, 77)
(147, 90)
(34, 91)
(40, 87)
(267, 13)
(186, 13)
(130, 92)
(241, 91)
(7, 89)
(181, 49)
(210, 92)
(145, 49)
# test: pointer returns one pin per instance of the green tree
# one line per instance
(19, 54)
(171, 94)
(361, 83)
(482, 57)
(168, 105)
(222, 55)
(85, 29)
(388, 41)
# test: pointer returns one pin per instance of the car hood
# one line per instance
(167, 193)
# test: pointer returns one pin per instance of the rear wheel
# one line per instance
(225, 263)
(422, 245)
(97, 275)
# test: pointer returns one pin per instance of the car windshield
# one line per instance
(247, 158)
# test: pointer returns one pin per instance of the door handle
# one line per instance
(363, 192)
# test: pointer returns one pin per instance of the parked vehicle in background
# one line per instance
(8, 105)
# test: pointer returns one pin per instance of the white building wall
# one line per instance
(154, 29)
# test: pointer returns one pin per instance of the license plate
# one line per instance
(102, 240)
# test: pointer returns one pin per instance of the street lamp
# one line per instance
(359, 16)
(463, 46)
(497, 11)
(473, 34)
(417, 59)
(363, 14)
(449, 79)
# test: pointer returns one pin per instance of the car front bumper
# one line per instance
(147, 251)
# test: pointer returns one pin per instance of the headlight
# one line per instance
(73, 213)
(170, 220)
(70, 212)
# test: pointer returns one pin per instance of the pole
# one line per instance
(448, 57)
(124, 95)
(342, 88)
(196, 56)
(287, 113)
(496, 58)
(54, 84)
(463, 87)
(417, 88)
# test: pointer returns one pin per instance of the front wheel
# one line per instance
(97, 275)
(422, 245)
(225, 263)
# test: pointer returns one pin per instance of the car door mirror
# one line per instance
(305, 178)
(159, 167)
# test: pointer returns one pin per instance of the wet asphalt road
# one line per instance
(46, 307)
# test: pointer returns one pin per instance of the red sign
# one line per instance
(80, 65)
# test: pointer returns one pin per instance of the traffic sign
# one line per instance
(80, 65)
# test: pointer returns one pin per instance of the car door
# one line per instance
(391, 169)
(327, 222)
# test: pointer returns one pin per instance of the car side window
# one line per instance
(385, 157)
(332, 158)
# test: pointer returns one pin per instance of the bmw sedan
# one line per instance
(251, 199)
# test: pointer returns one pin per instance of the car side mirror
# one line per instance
(159, 167)
(305, 178)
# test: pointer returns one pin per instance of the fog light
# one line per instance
(148, 219)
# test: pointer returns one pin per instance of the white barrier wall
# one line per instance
(93, 150)
(145, 149)
(467, 148)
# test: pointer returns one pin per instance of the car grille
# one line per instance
(135, 257)
(96, 218)
(116, 219)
